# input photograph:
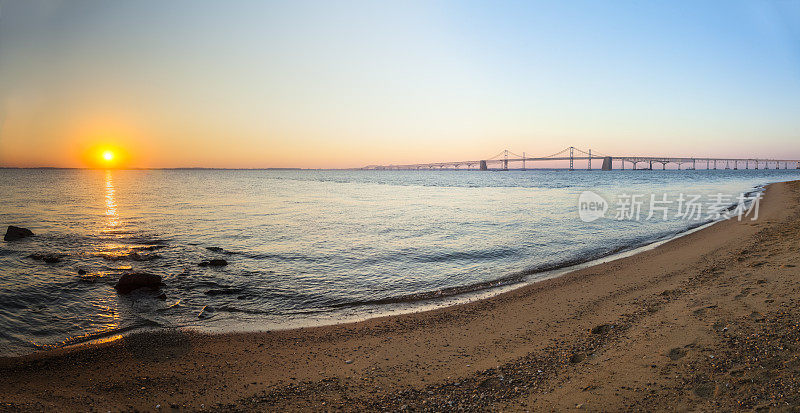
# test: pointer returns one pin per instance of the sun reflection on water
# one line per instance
(107, 311)
(111, 203)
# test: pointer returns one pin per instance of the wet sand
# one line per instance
(704, 322)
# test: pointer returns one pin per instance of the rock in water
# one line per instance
(132, 281)
(214, 263)
(14, 233)
(48, 258)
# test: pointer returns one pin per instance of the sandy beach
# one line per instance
(703, 322)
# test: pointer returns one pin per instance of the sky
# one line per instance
(337, 84)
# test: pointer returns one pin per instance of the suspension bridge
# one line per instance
(507, 159)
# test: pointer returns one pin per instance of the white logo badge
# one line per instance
(591, 206)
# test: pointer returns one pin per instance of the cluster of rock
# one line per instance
(128, 282)
(46, 257)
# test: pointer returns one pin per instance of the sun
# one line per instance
(106, 155)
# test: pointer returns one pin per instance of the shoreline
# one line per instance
(370, 310)
(391, 306)
(543, 344)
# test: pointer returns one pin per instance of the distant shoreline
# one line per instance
(155, 169)
(379, 170)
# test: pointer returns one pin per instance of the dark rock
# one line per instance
(162, 296)
(135, 280)
(48, 258)
(223, 291)
(215, 249)
(214, 263)
(719, 326)
(676, 353)
(602, 328)
(81, 271)
(14, 233)
(577, 358)
(489, 383)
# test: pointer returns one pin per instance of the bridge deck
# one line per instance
(587, 156)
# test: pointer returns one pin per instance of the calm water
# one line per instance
(303, 246)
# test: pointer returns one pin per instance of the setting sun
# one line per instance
(106, 155)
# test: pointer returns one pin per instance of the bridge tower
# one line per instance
(571, 160)
(590, 159)
(523, 161)
(607, 163)
(483, 166)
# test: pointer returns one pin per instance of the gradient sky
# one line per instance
(348, 83)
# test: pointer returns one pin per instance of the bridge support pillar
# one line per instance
(483, 166)
(571, 159)
(607, 166)
(590, 159)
